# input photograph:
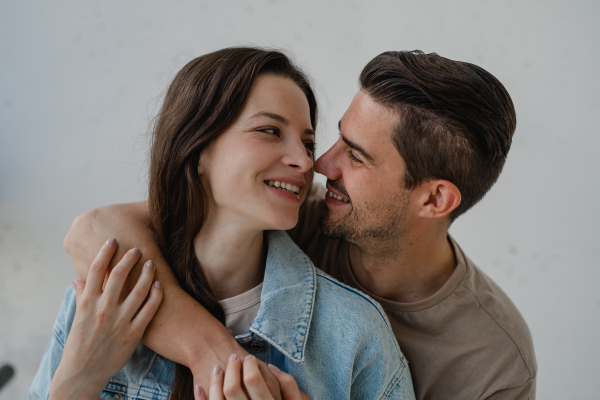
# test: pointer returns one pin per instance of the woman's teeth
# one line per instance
(288, 187)
(335, 196)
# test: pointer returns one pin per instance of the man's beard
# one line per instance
(383, 223)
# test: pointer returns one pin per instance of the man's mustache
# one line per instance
(338, 187)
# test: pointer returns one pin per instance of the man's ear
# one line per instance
(438, 198)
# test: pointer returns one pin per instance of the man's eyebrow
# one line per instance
(284, 121)
(354, 146)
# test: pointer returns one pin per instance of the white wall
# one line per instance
(80, 80)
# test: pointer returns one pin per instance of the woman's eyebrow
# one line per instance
(284, 121)
(276, 117)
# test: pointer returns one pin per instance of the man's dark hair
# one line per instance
(456, 119)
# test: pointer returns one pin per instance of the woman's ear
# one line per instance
(439, 198)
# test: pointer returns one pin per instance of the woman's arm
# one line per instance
(182, 330)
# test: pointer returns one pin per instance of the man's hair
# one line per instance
(456, 119)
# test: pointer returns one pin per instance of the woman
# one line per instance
(231, 163)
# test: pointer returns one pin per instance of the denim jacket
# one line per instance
(335, 341)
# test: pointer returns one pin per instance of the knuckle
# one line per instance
(131, 336)
(119, 272)
(102, 315)
(252, 378)
(97, 266)
(229, 390)
(286, 380)
(139, 292)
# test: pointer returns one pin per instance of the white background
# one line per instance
(81, 80)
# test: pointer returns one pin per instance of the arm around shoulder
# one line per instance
(182, 330)
(91, 229)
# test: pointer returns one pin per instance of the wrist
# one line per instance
(74, 386)
(202, 359)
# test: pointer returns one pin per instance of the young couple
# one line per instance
(231, 167)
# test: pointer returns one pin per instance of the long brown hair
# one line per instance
(204, 98)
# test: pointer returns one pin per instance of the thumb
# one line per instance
(199, 393)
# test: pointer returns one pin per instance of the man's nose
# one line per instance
(327, 164)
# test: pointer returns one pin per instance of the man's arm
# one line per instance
(182, 330)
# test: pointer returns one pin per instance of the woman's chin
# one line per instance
(283, 224)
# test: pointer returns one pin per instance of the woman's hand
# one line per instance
(105, 331)
(228, 385)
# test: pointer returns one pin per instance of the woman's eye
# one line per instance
(310, 148)
(271, 131)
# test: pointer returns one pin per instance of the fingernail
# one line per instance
(198, 391)
(216, 370)
(135, 251)
(111, 241)
(233, 357)
(274, 369)
(149, 264)
(158, 285)
(249, 356)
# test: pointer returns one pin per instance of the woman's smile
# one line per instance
(260, 167)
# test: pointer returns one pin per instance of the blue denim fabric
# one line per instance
(336, 341)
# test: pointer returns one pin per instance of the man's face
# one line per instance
(366, 198)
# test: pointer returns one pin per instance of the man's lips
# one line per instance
(333, 194)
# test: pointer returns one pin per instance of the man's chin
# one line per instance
(331, 230)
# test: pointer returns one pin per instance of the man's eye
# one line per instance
(353, 157)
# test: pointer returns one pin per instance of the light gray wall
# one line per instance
(80, 81)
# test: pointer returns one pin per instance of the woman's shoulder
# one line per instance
(350, 322)
(332, 290)
(353, 312)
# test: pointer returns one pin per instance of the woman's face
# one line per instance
(269, 146)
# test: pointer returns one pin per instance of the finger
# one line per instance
(199, 393)
(289, 388)
(138, 294)
(98, 268)
(216, 384)
(232, 385)
(253, 380)
(119, 274)
(270, 380)
(143, 318)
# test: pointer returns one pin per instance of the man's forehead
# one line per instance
(368, 122)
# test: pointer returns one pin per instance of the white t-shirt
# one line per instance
(241, 310)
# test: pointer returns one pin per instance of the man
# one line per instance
(423, 141)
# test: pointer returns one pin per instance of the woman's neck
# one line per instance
(232, 257)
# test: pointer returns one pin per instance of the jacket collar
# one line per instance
(287, 298)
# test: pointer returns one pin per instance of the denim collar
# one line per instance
(287, 298)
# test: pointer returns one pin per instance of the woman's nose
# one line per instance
(299, 158)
